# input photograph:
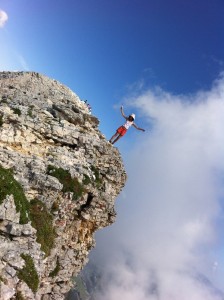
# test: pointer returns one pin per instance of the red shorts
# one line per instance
(121, 130)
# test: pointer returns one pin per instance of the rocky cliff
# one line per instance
(59, 178)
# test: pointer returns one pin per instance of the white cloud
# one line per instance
(3, 18)
(170, 223)
(23, 62)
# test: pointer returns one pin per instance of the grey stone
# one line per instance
(6, 292)
(53, 128)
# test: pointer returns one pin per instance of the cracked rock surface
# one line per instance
(59, 179)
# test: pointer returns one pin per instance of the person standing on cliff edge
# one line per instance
(123, 129)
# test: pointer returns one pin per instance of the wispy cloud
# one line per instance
(11, 60)
(170, 227)
(3, 18)
(23, 62)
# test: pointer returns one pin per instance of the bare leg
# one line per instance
(116, 139)
(114, 136)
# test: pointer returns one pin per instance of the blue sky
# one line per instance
(164, 60)
(101, 49)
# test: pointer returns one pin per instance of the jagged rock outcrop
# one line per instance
(59, 178)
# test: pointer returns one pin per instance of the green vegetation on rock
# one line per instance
(55, 206)
(42, 220)
(96, 172)
(3, 280)
(86, 179)
(28, 273)
(1, 121)
(97, 180)
(69, 184)
(30, 111)
(56, 270)
(19, 296)
(16, 111)
(9, 186)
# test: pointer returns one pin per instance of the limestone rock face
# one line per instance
(59, 179)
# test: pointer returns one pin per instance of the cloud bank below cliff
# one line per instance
(168, 238)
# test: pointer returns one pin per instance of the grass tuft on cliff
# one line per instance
(70, 184)
(19, 296)
(42, 221)
(56, 270)
(97, 179)
(1, 121)
(9, 186)
(17, 111)
(28, 273)
(96, 172)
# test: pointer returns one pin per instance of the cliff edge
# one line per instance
(59, 179)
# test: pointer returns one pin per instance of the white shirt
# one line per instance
(128, 124)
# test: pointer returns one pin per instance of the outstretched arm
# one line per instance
(138, 127)
(122, 112)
